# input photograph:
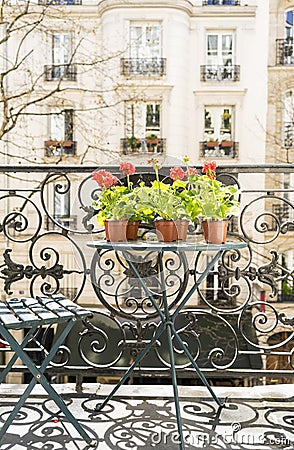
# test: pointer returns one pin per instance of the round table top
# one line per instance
(179, 246)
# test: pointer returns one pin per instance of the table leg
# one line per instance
(196, 367)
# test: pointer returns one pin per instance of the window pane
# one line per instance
(145, 41)
(57, 126)
(61, 48)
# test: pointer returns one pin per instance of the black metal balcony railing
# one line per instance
(67, 222)
(283, 215)
(129, 145)
(221, 2)
(234, 321)
(145, 67)
(59, 2)
(215, 149)
(284, 52)
(220, 73)
(66, 72)
(60, 148)
(288, 134)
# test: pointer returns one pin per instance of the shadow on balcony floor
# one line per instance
(144, 417)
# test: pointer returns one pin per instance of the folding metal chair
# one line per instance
(17, 314)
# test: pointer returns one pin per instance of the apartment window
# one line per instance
(289, 24)
(61, 133)
(61, 56)
(144, 51)
(143, 119)
(218, 123)
(288, 119)
(145, 40)
(143, 128)
(220, 58)
(219, 50)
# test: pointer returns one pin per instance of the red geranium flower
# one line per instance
(127, 168)
(177, 173)
(209, 168)
(104, 178)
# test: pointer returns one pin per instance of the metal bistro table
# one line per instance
(167, 316)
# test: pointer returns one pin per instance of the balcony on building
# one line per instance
(221, 2)
(60, 148)
(284, 52)
(66, 72)
(216, 149)
(219, 73)
(59, 2)
(144, 145)
(143, 67)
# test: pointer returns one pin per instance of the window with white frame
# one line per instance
(143, 119)
(61, 48)
(289, 24)
(218, 123)
(145, 40)
(288, 119)
(61, 125)
(219, 49)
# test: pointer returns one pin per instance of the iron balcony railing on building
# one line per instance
(66, 72)
(59, 2)
(284, 52)
(60, 148)
(221, 2)
(215, 149)
(131, 146)
(288, 134)
(219, 73)
(143, 67)
(236, 325)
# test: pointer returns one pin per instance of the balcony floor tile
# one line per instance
(260, 417)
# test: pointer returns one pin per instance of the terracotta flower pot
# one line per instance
(215, 231)
(166, 230)
(116, 230)
(182, 229)
(132, 230)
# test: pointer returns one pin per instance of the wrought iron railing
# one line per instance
(215, 149)
(220, 73)
(66, 72)
(59, 2)
(284, 52)
(221, 2)
(232, 325)
(146, 67)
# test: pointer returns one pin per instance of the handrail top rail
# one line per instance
(233, 168)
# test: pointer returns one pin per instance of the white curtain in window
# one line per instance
(145, 40)
(61, 48)
(219, 49)
(57, 126)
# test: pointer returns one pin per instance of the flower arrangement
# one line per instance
(111, 192)
(191, 195)
(166, 203)
(203, 195)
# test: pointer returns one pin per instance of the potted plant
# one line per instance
(111, 193)
(169, 209)
(151, 142)
(215, 203)
(134, 143)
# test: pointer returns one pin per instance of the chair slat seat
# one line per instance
(20, 313)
